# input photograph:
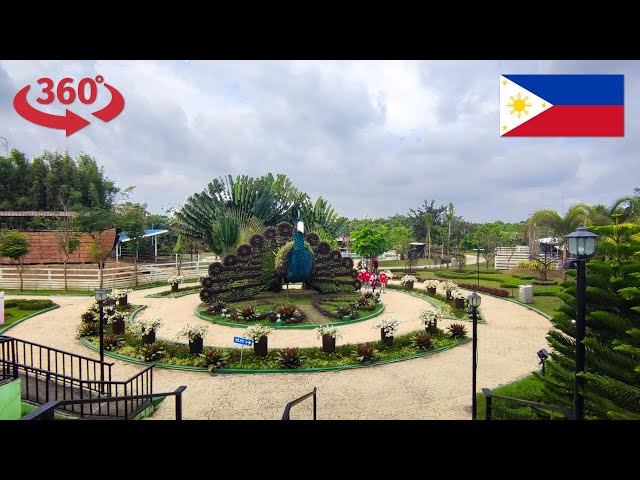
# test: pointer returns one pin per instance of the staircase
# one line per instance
(48, 374)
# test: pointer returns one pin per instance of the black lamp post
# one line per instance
(474, 302)
(101, 296)
(478, 250)
(581, 244)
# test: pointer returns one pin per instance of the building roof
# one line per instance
(148, 233)
(43, 248)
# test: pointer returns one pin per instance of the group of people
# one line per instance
(371, 280)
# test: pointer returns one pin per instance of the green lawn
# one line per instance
(13, 314)
(529, 388)
(403, 263)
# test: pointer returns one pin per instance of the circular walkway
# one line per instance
(432, 387)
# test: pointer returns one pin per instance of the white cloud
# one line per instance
(373, 137)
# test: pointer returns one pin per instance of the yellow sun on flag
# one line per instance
(519, 105)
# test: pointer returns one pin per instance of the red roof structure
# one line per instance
(44, 248)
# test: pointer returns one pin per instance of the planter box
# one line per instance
(174, 287)
(408, 285)
(149, 338)
(458, 302)
(431, 290)
(260, 347)
(195, 346)
(346, 318)
(117, 327)
(387, 340)
(328, 344)
(123, 301)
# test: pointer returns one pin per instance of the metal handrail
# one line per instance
(46, 411)
(568, 412)
(287, 409)
(4, 337)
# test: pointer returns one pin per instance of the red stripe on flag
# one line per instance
(582, 121)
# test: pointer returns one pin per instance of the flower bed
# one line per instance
(498, 292)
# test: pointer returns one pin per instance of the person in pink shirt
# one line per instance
(361, 278)
(367, 280)
(383, 281)
(374, 281)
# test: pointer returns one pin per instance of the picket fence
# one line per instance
(115, 275)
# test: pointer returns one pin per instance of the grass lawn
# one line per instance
(23, 309)
(403, 263)
(546, 304)
(528, 388)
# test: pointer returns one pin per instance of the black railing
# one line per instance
(49, 374)
(489, 396)
(47, 411)
(287, 409)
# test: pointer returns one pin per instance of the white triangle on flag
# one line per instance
(518, 105)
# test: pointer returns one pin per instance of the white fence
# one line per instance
(510, 257)
(115, 275)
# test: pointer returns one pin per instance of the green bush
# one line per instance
(544, 282)
(28, 304)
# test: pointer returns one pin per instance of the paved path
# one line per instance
(434, 387)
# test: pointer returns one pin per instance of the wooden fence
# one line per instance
(86, 277)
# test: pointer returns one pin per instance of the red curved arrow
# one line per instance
(70, 122)
(116, 105)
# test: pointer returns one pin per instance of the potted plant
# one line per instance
(328, 333)
(431, 286)
(117, 323)
(195, 334)
(430, 320)
(407, 281)
(458, 298)
(147, 328)
(121, 296)
(258, 333)
(449, 287)
(388, 328)
(175, 281)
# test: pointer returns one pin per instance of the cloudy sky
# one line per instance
(374, 138)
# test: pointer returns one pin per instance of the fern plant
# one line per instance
(291, 358)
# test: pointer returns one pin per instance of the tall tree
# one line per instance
(399, 239)
(94, 221)
(428, 223)
(371, 240)
(132, 219)
(612, 340)
(68, 240)
(15, 246)
(449, 215)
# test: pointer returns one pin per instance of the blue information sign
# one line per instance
(243, 341)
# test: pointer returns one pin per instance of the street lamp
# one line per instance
(581, 244)
(101, 296)
(478, 250)
(542, 355)
(474, 302)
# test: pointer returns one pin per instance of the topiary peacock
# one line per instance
(273, 258)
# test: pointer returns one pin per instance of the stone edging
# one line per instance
(291, 327)
(233, 371)
(18, 322)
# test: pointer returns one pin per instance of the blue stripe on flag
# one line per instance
(574, 89)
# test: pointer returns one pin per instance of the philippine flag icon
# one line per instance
(562, 105)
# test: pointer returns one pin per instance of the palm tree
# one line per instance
(628, 207)
(577, 214)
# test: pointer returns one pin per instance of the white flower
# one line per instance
(193, 332)
(118, 293)
(175, 279)
(327, 329)
(146, 325)
(408, 278)
(449, 285)
(428, 316)
(256, 331)
(458, 294)
(431, 283)
(389, 325)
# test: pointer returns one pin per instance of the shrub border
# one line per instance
(291, 327)
(232, 371)
(177, 294)
(18, 322)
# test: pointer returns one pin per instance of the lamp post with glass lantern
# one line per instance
(581, 244)
(474, 302)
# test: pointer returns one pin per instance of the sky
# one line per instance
(374, 138)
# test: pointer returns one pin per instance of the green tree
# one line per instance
(371, 240)
(488, 236)
(68, 240)
(14, 245)
(399, 239)
(132, 219)
(449, 215)
(94, 222)
(612, 340)
(560, 226)
(428, 224)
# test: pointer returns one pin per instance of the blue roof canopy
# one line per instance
(148, 233)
